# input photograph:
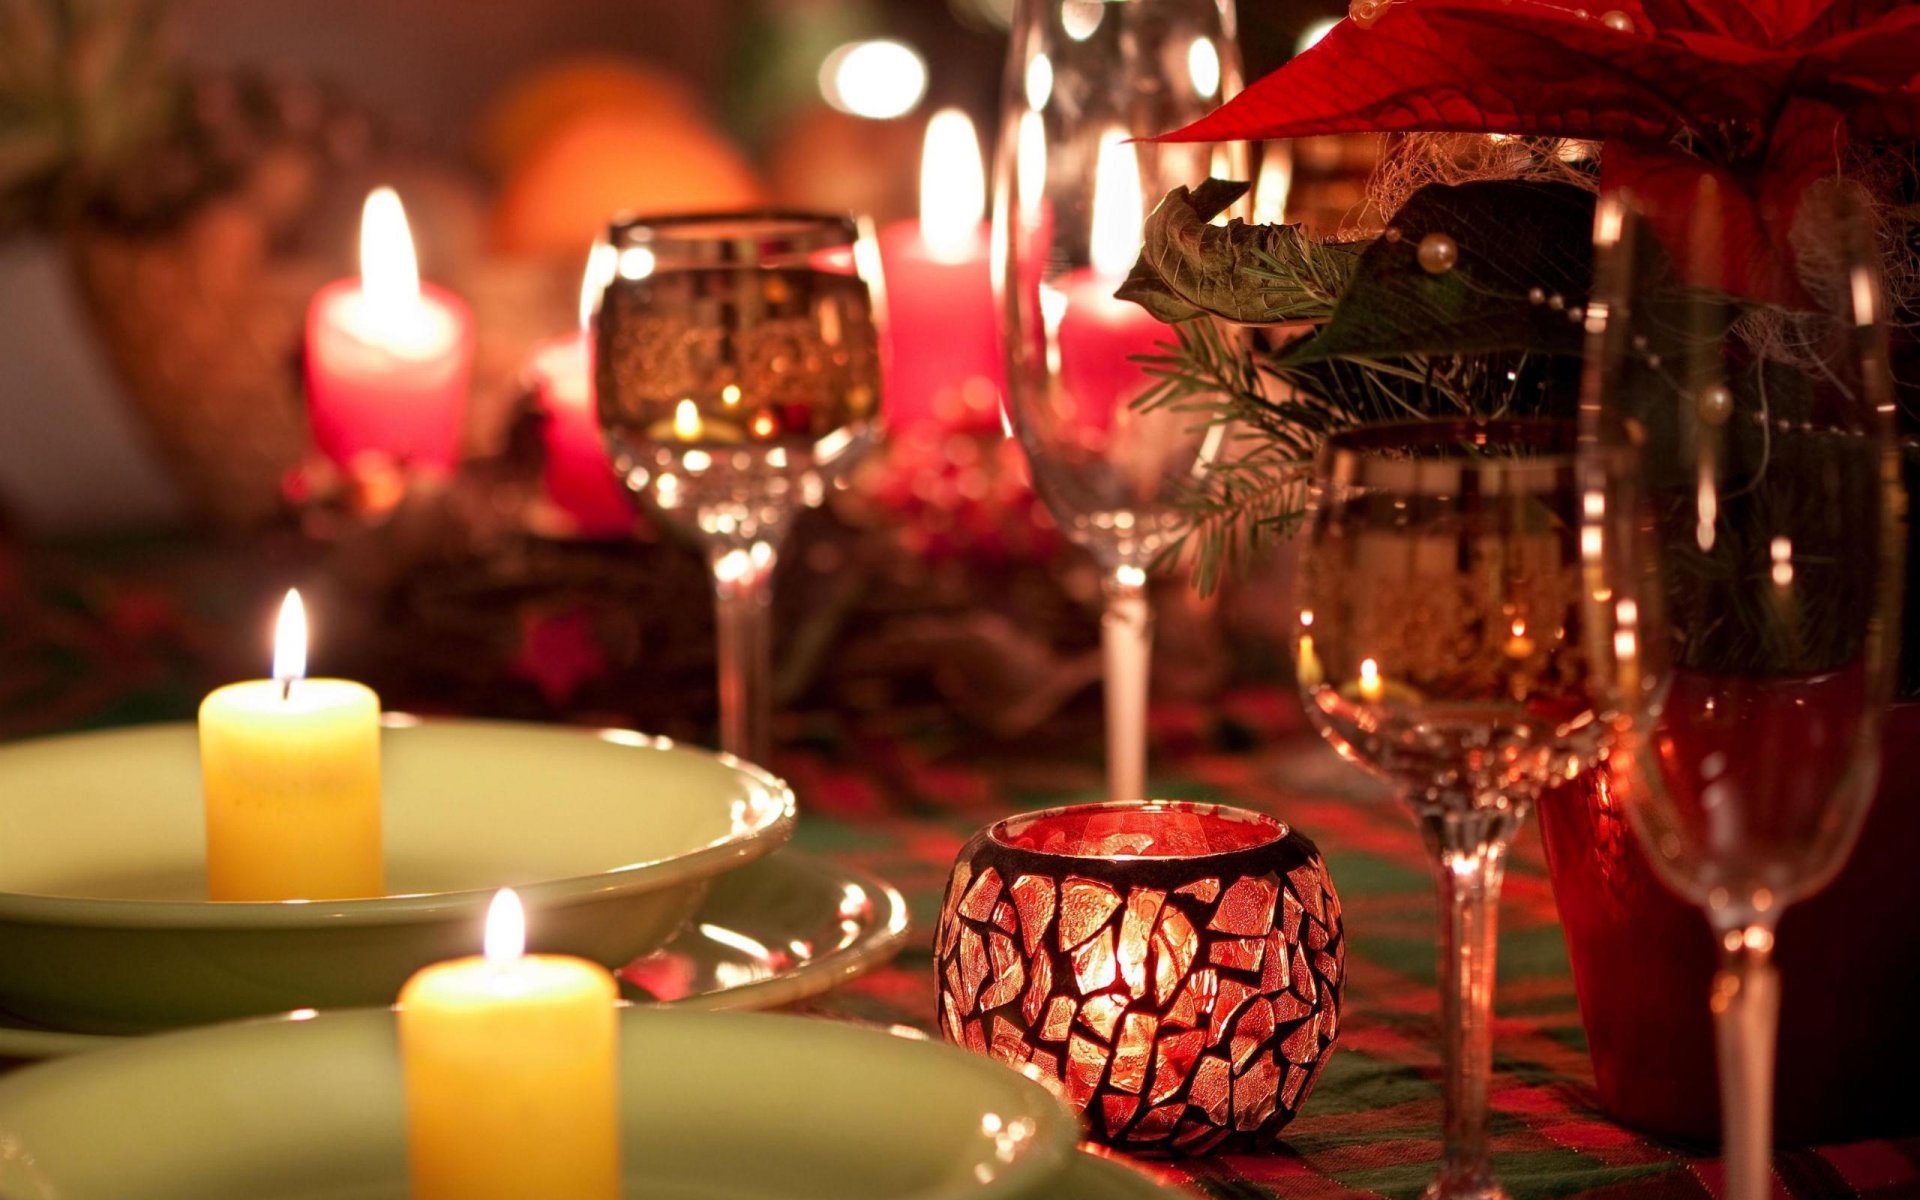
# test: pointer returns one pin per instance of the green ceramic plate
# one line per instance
(611, 837)
(716, 1106)
(778, 930)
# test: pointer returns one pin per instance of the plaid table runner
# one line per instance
(1372, 1126)
(86, 648)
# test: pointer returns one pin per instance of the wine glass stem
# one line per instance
(1470, 849)
(743, 594)
(1126, 641)
(1746, 1023)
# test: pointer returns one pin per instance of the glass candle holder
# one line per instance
(1173, 970)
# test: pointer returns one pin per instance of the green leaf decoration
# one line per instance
(1512, 238)
(1252, 274)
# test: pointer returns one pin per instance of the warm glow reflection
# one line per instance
(1371, 689)
(1080, 18)
(602, 262)
(1782, 552)
(1030, 166)
(878, 80)
(687, 425)
(1118, 207)
(1274, 185)
(389, 271)
(506, 936)
(1039, 81)
(636, 262)
(953, 186)
(290, 640)
(1313, 33)
(1203, 67)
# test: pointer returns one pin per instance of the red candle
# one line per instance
(579, 477)
(388, 356)
(945, 364)
(1094, 334)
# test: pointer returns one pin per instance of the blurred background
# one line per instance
(177, 180)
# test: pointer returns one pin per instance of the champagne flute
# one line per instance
(737, 374)
(1071, 194)
(1440, 646)
(1742, 584)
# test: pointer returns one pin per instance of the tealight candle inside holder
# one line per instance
(1175, 969)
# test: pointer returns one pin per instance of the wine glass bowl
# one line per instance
(736, 363)
(1442, 644)
(1072, 193)
(1440, 633)
(1743, 619)
(736, 351)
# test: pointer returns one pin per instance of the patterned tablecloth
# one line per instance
(901, 806)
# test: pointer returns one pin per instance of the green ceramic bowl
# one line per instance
(611, 838)
(715, 1106)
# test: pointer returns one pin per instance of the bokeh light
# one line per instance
(879, 80)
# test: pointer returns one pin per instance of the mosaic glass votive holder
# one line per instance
(1173, 970)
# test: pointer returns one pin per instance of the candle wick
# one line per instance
(286, 688)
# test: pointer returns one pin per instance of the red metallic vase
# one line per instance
(1643, 961)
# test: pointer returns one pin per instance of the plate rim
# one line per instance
(1053, 1155)
(736, 848)
(878, 944)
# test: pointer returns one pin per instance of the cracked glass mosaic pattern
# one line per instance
(1186, 1010)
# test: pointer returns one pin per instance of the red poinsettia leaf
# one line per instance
(1872, 59)
(1841, 16)
(1487, 66)
(1728, 18)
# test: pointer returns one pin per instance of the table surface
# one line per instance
(901, 805)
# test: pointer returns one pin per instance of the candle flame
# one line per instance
(506, 937)
(687, 425)
(389, 272)
(1118, 210)
(602, 265)
(953, 185)
(1370, 686)
(290, 641)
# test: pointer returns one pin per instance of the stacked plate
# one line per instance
(714, 1106)
(626, 850)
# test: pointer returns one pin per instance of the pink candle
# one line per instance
(945, 365)
(388, 356)
(1095, 335)
(579, 477)
(1098, 335)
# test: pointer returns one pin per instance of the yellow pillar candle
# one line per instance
(511, 1078)
(291, 771)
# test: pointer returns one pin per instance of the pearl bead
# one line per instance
(1556, 302)
(1536, 295)
(1393, 233)
(1438, 253)
(1715, 404)
(1618, 21)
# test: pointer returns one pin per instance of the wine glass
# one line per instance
(1440, 646)
(1743, 584)
(737, 374)
(1071, 194)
